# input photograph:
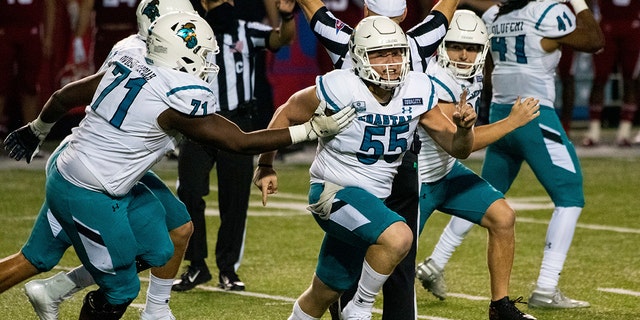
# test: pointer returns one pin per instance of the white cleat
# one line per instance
(432, 278)
(554, 300)
(46, 295)
(164, 316)
(351, 312)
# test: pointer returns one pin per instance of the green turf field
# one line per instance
(603, 266)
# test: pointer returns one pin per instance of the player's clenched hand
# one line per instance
(22, 143)
(266, 179)
(524, 111)
(464, 116)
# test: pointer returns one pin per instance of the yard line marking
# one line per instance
(468, 296)
(268, 296)
(583, 225)
(296, 208)
(620, 291)
(287, 299)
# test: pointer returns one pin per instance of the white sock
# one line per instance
(158, 295)
(81, 277)
(450, 239)
(559, 236)
(368, 287)
(298, 314)
(594, 130)
(624, 130)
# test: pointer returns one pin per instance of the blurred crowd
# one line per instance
(69, 39)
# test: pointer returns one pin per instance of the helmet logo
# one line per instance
(188, 33)
(151, 10)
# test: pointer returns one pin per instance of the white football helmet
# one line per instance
(149, 10)
(377, 33)
(185, 42)
(465, 27)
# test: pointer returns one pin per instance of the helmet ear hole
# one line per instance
(465, 28)
(171, 43)
(378, 33)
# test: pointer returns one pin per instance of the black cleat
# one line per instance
(231, 282)
(191, 278)
(505, 309)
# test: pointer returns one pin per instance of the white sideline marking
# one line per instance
(620, 291)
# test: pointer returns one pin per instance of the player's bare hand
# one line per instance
(266, 180)
(524, 111)
(464, 116)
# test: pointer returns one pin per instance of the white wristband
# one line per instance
(579, 5)
(40, 128)
(298, 133)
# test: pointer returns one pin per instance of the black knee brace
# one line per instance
(96, 307)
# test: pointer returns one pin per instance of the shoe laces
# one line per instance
(512, 305)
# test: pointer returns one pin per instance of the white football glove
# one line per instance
(323, 207)
(322, 125)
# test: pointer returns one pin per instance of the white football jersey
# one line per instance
(433, 161)
(368, 152)
(522, 67)
(119, 138)
(133, 45)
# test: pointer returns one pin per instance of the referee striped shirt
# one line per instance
(423, 39)
(235, 82)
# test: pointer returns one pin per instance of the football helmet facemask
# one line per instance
(378, 33)
(467, 28)
(185, 42)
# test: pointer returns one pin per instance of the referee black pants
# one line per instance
(234, 171)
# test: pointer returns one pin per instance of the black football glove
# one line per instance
(22, 143)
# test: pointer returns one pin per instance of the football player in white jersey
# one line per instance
(38, 254)
(140, 109)
(352, 173)
(525, 50)
(423, 38)
(448, 185)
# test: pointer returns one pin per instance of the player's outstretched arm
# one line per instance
(522, 112)
(224, 134)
